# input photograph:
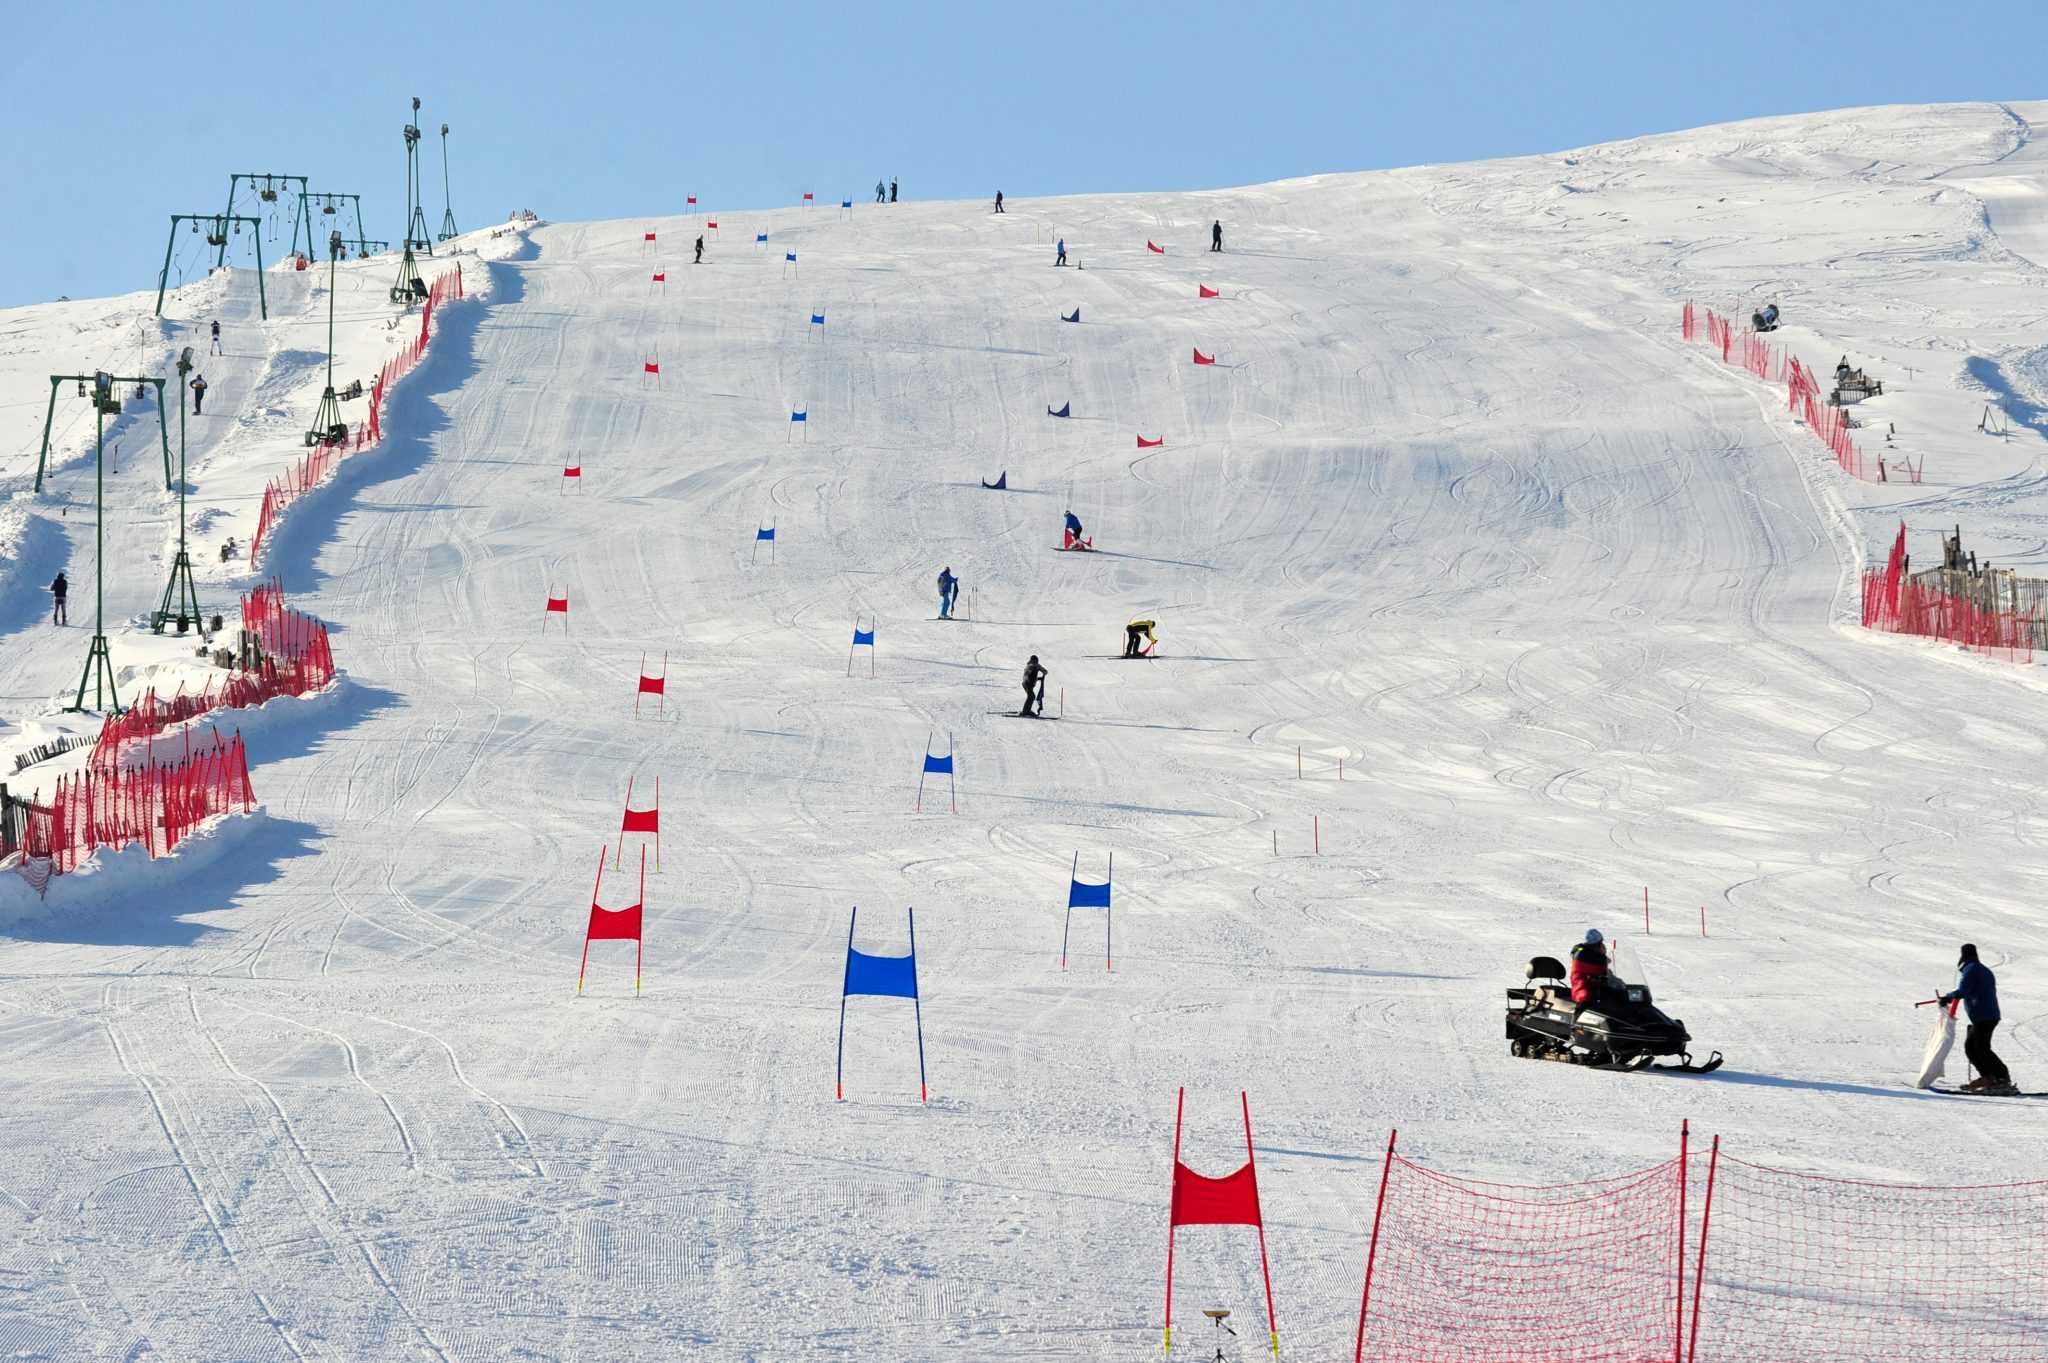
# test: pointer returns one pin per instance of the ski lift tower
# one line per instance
(447, 200)
(266, 187)
(106, 402)
(408, 285)
(216, 235)
(181, 594)
(331, 205)
(328, 428)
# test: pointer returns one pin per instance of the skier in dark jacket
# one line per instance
(198, 392)
(1034, 691)
(1061, 257)
(1216, 235)
(216, 339)
(1589, 969)
(892, 189)
(999, 201)
(700, 250)
(1072, 538)
(59, 589)
(949, 590)
(1977, 987)
(881, 192)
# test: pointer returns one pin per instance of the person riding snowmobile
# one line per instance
(1590, 977)
(1136, 630)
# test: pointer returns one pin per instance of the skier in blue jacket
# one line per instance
(1977, 987)
(949, 590)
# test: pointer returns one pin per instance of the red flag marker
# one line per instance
(1145, 444)
(1204, 291)
(1200, 358)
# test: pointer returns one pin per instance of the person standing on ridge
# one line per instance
(892, 189)
(59, 589)
(1136, 630)
(881, 192)
(999, 201)
(1034, 690)
(216, 340)
(1977, 987)
(1061, 258)
(1216, 235)
(949, 591)
(700, 250)
(198, 392)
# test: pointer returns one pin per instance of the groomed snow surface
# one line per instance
(1572, 602)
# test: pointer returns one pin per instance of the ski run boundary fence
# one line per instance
(312, 469)
(1701, 1261)
(1745, 349)
(1896, 604)
(133, 789)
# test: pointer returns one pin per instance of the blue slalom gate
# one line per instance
(893, 977)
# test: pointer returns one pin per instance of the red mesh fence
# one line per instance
(1830, 424)
(296, 661)
(1466, 1272)
(156, 804)
(1897, 605)
(314, 467)
(1799, 1269)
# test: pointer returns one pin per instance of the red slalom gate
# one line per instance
(313, 468)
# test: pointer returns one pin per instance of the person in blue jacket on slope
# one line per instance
(1977, 987)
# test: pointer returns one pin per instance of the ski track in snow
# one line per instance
(1572, 601)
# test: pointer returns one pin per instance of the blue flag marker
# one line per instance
(893, 977)
(760, 237)
(934, 764)
(1084, 895)
(817, 319)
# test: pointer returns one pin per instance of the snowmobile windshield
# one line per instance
(1625, 964)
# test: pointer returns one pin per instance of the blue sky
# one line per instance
(120, 115)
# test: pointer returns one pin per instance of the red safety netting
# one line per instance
(1925, 609)
(1460, 1271)
(1799, 1269)
(156, 804)
(1881, 590)
(296, 661)
(313, 468)
(1830, 424)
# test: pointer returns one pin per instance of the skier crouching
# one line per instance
(1136, 630)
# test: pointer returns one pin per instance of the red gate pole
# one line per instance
(1373, 1248)
(1699, 1270)
(1272, 1325)
(1678, 1325)
(1179, 1104)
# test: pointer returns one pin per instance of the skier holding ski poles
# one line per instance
(1034, 690)
(1977, 987)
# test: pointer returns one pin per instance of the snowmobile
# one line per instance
(1622, 1030)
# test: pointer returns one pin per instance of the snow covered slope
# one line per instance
(1570, 601)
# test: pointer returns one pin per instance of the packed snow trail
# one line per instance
(1454, 505)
